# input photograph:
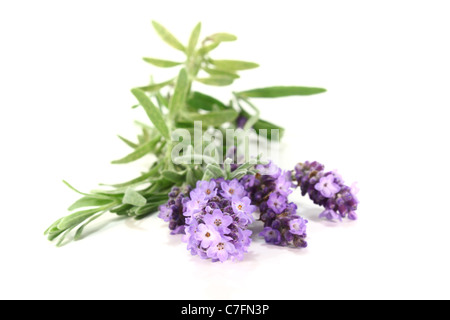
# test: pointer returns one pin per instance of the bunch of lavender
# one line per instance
(269, 190)
(327, 189)
(217, 218)
(173, 104)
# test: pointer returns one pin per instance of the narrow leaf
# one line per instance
(89, 202)
(176, 102)
(234, 65)
(200, 100)
(162, 63)
(156, 86)
(222, 37)
(205, 49)
(52, 226)
(275, 92)
(167, 36)
(134, 198)
(193, 40)
(215, 170)
(216, 81)
(266, 125)
(216, 72)
(139, 179)
(128, 142)
(79, 231)
(237, 174)
(176, 177)
(215, 118)
(139, 152)
(76, 218)
(153, 112)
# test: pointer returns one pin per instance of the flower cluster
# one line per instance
(269, 189)
(327, 189)
(217, 216)
(172, 211)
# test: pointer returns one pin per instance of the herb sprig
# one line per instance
(170, 105)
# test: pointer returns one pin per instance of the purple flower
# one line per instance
(220, 250)
(196, 204)
(165, 213)
(271, 235)
(298, 226)
(208, 188)
(283, 184)
(243, 208)
(330, 215)
(206, 234)
(172, 211)
(327, 187)
(232, 189)
(241, 121)
(269, 191)
(269, 169)
(219, 220)
(217, 226)
(276, 202)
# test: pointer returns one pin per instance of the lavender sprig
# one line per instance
(327, 189)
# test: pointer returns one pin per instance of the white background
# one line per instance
(66, 68)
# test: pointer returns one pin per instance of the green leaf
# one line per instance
(214, 118)
(276, 92)
(139, 152)
(86, 194)
(222, 37)
(168, 37)
(128, 142)
(89, 202)
(53, 235)
(193, 40)
(156, 86)
(76, 218)
(237, 174)
(216, 81)
(215, 170)
(52, 227)
(205, 49)
(134, 198)
(60, 241)
(176, 102)
(79, 231)
(153, 112)
(233, 65)
(200, 100)
(227, 167)
(175, 177)
(162, 63)
(221, 73)
(141, 178)
(263, 124)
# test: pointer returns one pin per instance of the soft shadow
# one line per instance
(134, 224)
(311, 214)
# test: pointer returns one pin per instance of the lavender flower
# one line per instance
(327, 186)
(269, 189)
(172, 211)
(277, 203)
(327, 189)
(216, 227)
